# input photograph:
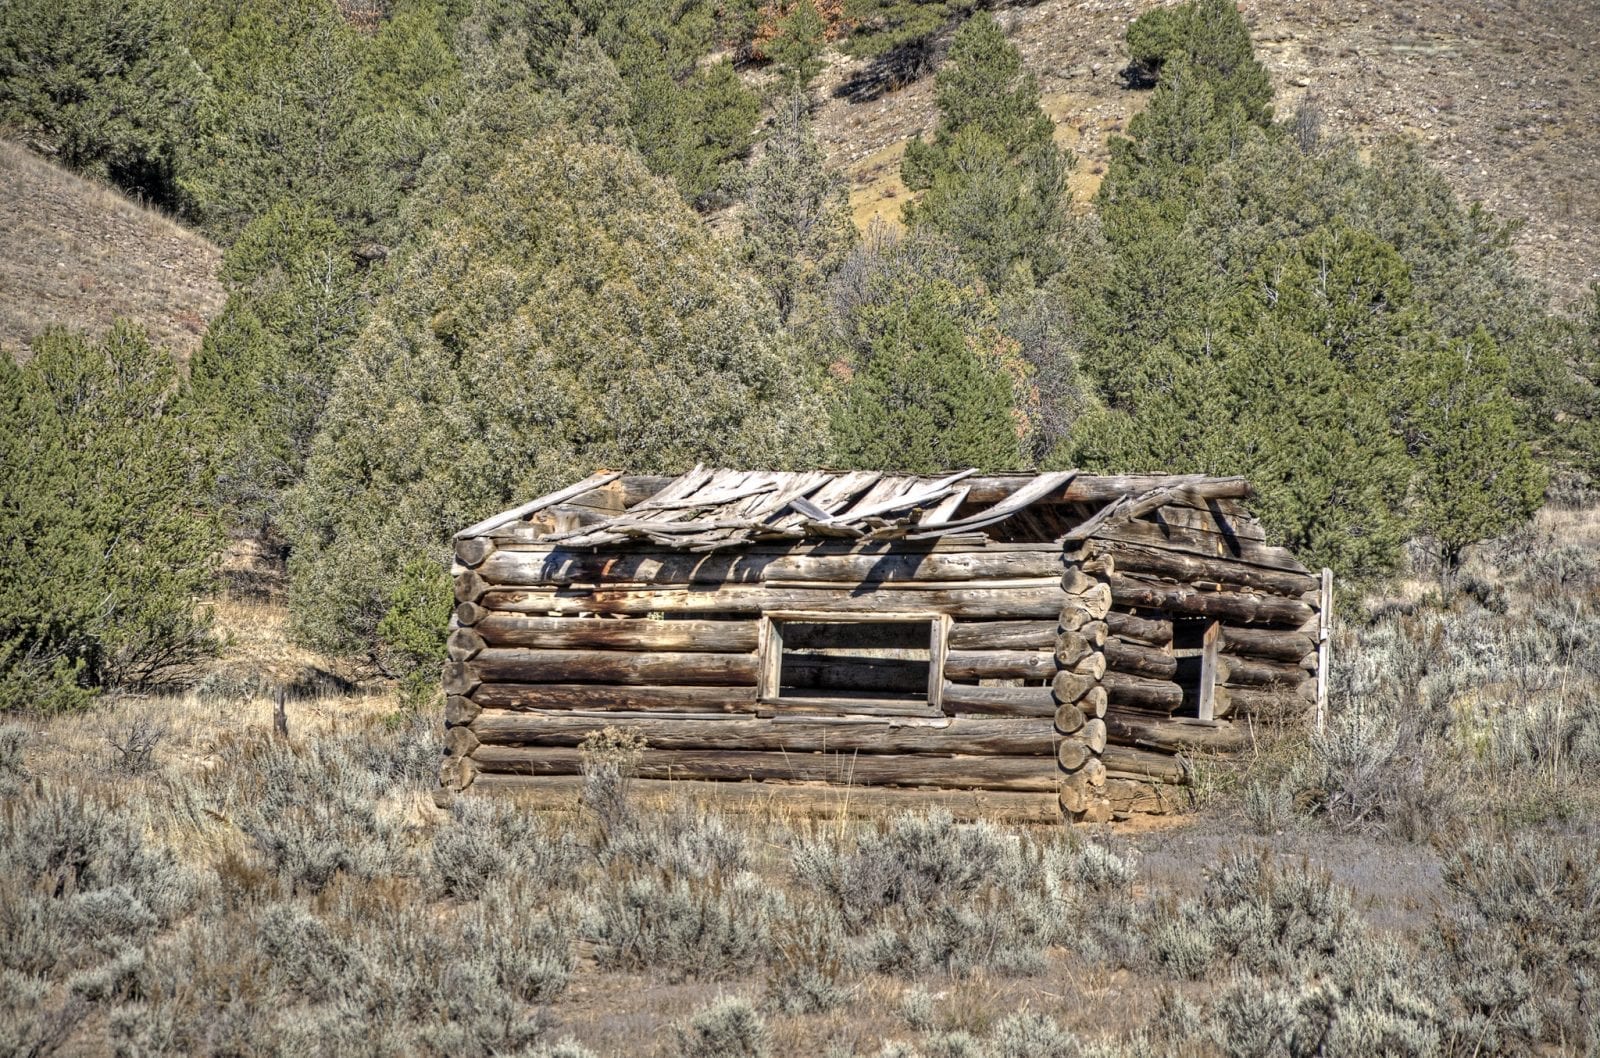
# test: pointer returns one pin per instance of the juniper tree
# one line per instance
(1477, 475)
(991, 179)
(932, 381)
(927, 400)
(797, 226)
(569, 313)
(1211, 38)
(796, 49)
(106, 86)
(266, 364)
(104, 537)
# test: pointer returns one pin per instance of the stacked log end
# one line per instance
(457, 769)
(1080, 699)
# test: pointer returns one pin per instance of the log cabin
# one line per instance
(1064, 640)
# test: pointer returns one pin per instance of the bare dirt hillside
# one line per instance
(1505, 94)
(77, 253)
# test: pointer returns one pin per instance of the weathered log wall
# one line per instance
(1059, 669)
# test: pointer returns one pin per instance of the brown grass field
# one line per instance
(79, 254)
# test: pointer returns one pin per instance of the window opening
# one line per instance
(889, 663)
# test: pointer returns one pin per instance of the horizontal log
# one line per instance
(904, 565)
(813, 800)
(1276, 704)
(999, 664)
(1172, 736)
(1030, 773)
(459, 710)
(1074, 798)
(1137, 659)
(1266, 643)
(1155, 632)
(1131, 796)
(1042, 600)
(1070, 686)
(961, 698)
(1123, 689)
(968, 736)
(1203, 544)
(1072, 648)
(1243, 607)
(605, 633)
(1094, 770)
(1222, 518)
(1002, 635)
(1093, 664)
(1178, 566)
(472, 550)
(599, 696)
(845, 705)
(1069, 718)
(1076, 580)
(1099, 488)
(1249, 672)
(660, 568)
(1094, 702)
(517, 665)
(1125, 760)
(1094, 601)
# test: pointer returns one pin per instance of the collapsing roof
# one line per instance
(709, 509)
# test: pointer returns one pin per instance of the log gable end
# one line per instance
(1058, 638)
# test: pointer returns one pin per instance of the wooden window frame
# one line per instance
(770, 651)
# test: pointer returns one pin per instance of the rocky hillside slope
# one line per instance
(1503, 93)
(78, 253)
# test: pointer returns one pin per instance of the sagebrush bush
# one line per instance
(1254, 915)
(311, 812)
(1526, 906)
(811, 959)
(685, 841)
(926, 893)
(14, 740)
(488, 841)
(78, 882)
(713, 929)
(727, 1028)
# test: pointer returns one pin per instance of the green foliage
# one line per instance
(884, 26)
(1211, 37)
(926, 400)
(693, 123)
(308, 110)
(104, 548)
(1280, 307)
(993, 181)
(982, 85)
(692, 120)
(797, 225)
(933, 383)
(572, 314)
(106, 86)
(263, 372)
(1478, 478)
(411, 635)
(797, 48)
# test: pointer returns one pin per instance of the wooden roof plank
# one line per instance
(593, 481)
